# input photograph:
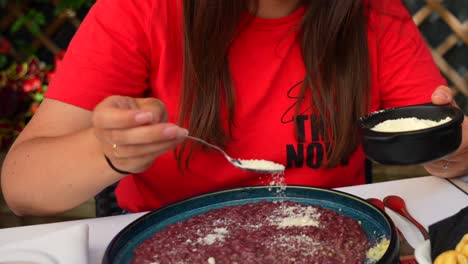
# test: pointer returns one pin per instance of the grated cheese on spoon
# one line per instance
(260, 165)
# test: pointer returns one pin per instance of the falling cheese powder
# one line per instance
(408, 124)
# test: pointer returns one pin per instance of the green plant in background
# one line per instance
(35, 16)
(24, 77)
(60, 5)
(35, 19)
(4, 48)
(22, 88)
(73, 5)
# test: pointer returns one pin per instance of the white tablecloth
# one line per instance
(429, 199)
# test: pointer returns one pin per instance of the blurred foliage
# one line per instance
(24, 75)
(60, 4)
(22, 88)
(34, 16)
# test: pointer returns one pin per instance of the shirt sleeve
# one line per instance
(109, 55)
(407, 73)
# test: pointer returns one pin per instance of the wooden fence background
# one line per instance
(53, 37)
(444, 25)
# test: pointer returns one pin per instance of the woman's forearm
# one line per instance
(50, 175)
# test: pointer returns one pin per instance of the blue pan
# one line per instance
(375, 222)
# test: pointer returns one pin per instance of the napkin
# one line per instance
(68, 245)
(446, 234)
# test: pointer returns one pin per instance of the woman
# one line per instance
(281, 80)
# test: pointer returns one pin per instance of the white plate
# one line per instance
(422, 252)
(25, 256)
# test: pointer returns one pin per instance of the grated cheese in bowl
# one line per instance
(408, 124)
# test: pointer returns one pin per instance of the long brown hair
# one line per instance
(334, 48)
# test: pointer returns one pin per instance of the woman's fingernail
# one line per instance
(144, 117)
(440, 95)
(175, 132)
(182, 133)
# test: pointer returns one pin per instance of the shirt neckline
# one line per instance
(288, 21)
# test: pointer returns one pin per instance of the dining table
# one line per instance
(429, 199)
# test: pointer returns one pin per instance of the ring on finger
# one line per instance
(446, 165)
(114, 151)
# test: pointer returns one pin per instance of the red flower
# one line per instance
(4, 125)
(31, 85)
(4, 46)
(33, 66)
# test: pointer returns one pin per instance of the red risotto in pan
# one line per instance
(264, 232)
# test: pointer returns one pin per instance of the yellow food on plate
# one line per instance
(457, 256)
(462, 246)
(451, 257)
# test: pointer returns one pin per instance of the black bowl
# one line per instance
(412, 147)
(375, 222)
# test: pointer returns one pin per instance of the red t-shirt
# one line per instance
(126, 47)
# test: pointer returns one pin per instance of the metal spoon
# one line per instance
(259, 166)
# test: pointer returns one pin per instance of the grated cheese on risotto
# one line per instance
(376, 252)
